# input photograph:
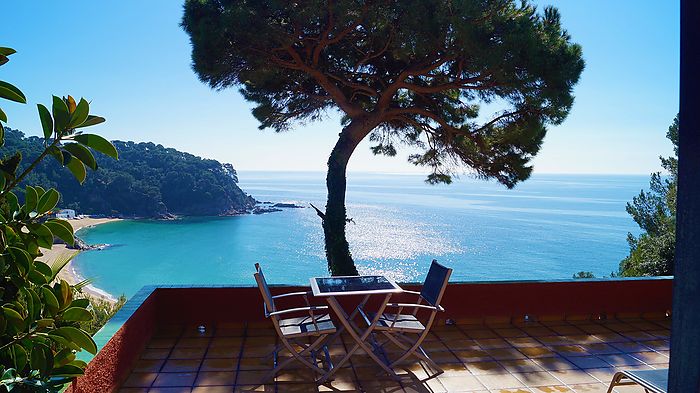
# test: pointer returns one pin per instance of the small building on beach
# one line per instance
(66, 213)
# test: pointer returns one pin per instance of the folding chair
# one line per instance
(397, 327)
(294, 332)
(653, 381)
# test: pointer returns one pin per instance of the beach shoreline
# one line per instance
(69, 272)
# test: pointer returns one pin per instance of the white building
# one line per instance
(66, 213)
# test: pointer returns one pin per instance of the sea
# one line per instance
(548, 227)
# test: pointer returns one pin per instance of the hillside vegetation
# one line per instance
(148, 180)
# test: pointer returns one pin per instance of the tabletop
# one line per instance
(353, 285)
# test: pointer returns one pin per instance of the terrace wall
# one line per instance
(476, 302)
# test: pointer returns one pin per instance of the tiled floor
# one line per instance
(556, 356)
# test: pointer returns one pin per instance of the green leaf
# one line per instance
(64, 341)
(50, 300)
(3, 117)
(61, 115)
(68, 370)
(22, 258)
(43, 234)
(77, 168)
(77, 314)
(7, 51)
(2, 130)
(98, 143)
(47, 201)
(13, 317)
(91, 121)
(11, 93)
(79, 337)
(64, 357)
(58, 154)
(30, 199)
(43, 268)
(3, 182)
(82, 153)
(62, 229)
(80, 114)
(19, 355)
(41, 359)
(64, 294)
(36, 277)
(46, 120)
(3, 59)
(84, 303)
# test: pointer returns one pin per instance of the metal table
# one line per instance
(333, 287)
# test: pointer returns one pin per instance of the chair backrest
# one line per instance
(264, 290)
(435, 283)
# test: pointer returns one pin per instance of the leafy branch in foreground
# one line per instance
(40, 320)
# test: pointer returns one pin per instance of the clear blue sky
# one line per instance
(133, 61)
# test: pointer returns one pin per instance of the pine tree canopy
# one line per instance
(413, 73)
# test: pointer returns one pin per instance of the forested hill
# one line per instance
(148, 180)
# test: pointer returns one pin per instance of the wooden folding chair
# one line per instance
(294, 332)
(398, 327)
(653, 381)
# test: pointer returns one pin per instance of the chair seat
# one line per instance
(304, 326)
(404, 323)
(653, 380)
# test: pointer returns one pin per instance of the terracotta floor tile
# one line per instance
(193, 342)
(566, 330)
(630, 346)
(554, 340)
(463, 344)
(148, 365)
(140, 380)
(174, 379)
(520, 342)
(133, 390)
(181, 389)
(213, 389)
(535, 379)
(573, 376)
(588, 362)
(611, 337)
(181, 365)
(658, 345)
(483, 368)
(551, 389)
(162, 343)
(488, 343)
(252, 377)
(213, 378)
(662, 334)
(569, 350)
(226, 342)
(295, 375)
(462, 383)
(505, 353)
(255, 388)
(483, 333)
(256, 363)
(343, 381)
(639, 336)
(187, 353)
(500, 381)
(604, 375)
(452, 369)
(537, 352)
(380, 386)
(593, 328)
(296, 387)
(510, 332)
(219, 365)
(600, 349)
(473, 355)
(538, 331)
(155, 353)
(520, 366)
(620, 360)
(650, 357)
(223, 352)
(262, 350)
(554, 363)
(590, 388)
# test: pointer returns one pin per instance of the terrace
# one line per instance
(556, 336)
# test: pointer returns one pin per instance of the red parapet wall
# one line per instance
(479, 301)
(108, 369)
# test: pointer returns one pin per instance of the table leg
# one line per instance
(359, 339)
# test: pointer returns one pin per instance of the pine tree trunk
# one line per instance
(340, 262)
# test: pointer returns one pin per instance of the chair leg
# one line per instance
(615, 381)
(412, 351)
(297, 356)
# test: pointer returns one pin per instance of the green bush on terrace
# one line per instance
(40, 320)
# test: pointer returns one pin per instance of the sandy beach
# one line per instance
(69, 273)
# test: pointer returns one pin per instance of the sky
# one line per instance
(132, 61)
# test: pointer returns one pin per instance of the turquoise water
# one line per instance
(547, 228)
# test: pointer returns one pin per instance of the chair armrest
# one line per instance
(292, 294)
(411, 292)
(298, 309)
(411, 305)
